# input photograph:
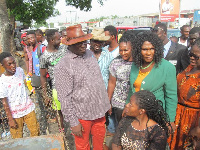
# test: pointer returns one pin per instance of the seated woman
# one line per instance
(145, 126)
(188, 109)
(153, 73)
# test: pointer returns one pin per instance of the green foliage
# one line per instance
(40, 25)
(82, 4)
(98, 19)
(28, 10)
(114, 17)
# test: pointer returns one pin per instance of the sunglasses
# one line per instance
(193, 55)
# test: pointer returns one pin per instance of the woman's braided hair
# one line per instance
(146, 100)
(154, 108)
(154, 40)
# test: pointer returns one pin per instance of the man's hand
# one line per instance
(47, 100)
(12, 123)
(77, 130)
(173, 126)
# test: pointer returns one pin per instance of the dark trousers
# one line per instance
(118, 114)
(42, 111)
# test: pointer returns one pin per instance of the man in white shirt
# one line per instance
(183, 39)
(112, 45)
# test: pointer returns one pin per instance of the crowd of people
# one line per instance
(141, 92)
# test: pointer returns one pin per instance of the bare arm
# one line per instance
(43, 81)
(111, 86)
(110, 90)
(26, 60)
(11, 121)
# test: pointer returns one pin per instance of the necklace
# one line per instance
(146, 66)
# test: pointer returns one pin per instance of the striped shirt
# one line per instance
(81, 88)
(104, 62)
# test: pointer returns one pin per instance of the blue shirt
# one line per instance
(104, 62)
(166, 48)
(114, 52)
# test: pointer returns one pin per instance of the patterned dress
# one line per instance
(188, 109)
(129, 138)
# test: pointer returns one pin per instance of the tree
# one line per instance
(28, 10)
(5, 27)
(85, 5)
(25, 11)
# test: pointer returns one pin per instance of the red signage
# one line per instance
(168, 17)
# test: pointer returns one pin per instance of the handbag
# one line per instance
(35, 81)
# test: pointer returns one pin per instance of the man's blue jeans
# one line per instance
(112, 124)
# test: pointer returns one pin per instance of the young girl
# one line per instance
(18, 106)
(145, 126)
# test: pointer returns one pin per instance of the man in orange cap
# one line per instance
(81, 90)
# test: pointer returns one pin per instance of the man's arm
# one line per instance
(26, 60)
(11, 121)
(44, 84)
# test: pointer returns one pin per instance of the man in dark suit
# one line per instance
(175, 53)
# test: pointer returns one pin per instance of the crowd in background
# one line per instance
(138, 92)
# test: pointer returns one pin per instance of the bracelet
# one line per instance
(61, 130)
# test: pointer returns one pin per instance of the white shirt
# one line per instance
(166, 48)
(13, 88)
(185, 43)
(45, 43)
(166, 8)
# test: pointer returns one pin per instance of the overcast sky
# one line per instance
(115, 7)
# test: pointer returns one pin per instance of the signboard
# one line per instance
(169, 10)
(196, 18)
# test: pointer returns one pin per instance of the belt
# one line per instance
(189, 106)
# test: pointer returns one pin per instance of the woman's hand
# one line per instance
(12, 123)
(110, 110)
(124, 113)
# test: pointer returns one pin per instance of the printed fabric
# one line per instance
(48, 60)
(188, 109)
(13, 88)
(36, 56)
(152, 138)
(104, 62)
(120, 69)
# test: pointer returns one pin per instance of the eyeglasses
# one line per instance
(79, 44)
(193, 55)
(156, 29)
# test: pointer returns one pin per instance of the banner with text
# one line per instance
(169, 10)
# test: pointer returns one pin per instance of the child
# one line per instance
(18, 106)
